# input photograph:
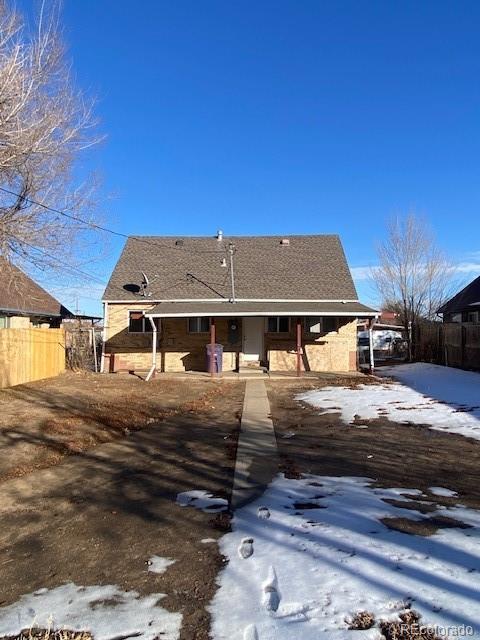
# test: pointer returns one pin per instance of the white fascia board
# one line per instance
(225, 300)
(258, 314)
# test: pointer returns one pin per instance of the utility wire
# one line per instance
(99, 227)
(62, 262)
(74, 269)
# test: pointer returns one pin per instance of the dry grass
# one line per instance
(50, 634)
(425, 526)
(409, 628)
(361, 621)
(73, 414)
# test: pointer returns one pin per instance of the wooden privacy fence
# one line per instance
(30, 354)
(451, 343)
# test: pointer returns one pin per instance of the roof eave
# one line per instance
(29, 312)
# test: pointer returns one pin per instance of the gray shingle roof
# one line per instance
(310, 267)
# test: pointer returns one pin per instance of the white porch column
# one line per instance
(154, 350)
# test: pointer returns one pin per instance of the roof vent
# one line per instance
(179, 243)
(285, 242)
(219, 235)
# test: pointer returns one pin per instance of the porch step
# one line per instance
(251, 371)
(251, 364)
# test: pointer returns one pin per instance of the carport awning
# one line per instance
(269, 308)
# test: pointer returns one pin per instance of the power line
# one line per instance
(99, 227)
(62, 262)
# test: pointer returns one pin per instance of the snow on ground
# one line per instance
(157, 564)
(451, 401)
(442, 491)
(322, 554)
(456, 387)
(107, 612)
(202, 500)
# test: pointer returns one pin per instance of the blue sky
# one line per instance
(285, 117)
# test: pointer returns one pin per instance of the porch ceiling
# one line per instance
(234, 309)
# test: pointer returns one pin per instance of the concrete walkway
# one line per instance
(257, 455)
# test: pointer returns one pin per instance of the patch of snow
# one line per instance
(106, 612)
(442, 491)
(458, 388)
(157, 564)
(452, 403)
(202, 500)
(207, 540)
(313, 569)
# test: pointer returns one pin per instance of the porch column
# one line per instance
(104, 336)
(212, 346)
(370, 344)
(299, 346)
(154, 350)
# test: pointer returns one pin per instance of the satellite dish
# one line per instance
(145, 284)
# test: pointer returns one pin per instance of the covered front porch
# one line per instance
(264, 337)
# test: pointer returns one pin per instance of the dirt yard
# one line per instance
(93, 465)
(97, 517)
(42, 422)
(395, 455)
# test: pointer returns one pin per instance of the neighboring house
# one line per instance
(288, 303)
(386, 320)
(465, 306)
(24, 303)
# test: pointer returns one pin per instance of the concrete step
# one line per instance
(251, 364)
(251, 371)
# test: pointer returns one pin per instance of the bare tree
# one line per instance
(414, 277)
(45, 122)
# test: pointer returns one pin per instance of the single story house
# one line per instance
(464, 307)
(24, 303)
(277, 303)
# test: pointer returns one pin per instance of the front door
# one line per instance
(253, 329)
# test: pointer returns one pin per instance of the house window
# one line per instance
(138, 323)
(278, 324)
(198, 325)
(472, 316)
(313, 324)
(4, 322)
(317, 324)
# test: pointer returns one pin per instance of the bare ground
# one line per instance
(44, 421)
(394, 455)
(96, 517)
